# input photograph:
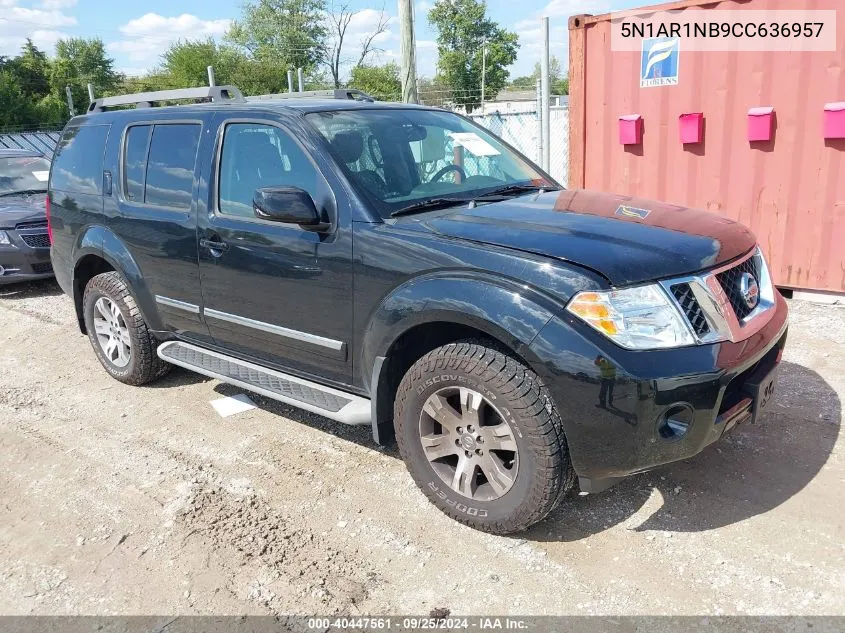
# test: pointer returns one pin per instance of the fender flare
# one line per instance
(503, 308)
(103, 243)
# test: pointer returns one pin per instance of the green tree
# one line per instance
(288, 34)
(80, 61)
(559, 84)
(32, 69)
(185, 63)
(463, 31)
(15, 109)
(381, 82)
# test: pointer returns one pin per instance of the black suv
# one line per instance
(399, 266)
(24, 243)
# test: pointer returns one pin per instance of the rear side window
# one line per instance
(78, 161)
(158, 164)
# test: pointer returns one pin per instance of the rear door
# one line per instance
(274, 291)
(156, 193)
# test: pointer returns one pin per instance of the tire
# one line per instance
(140, 364)
(527, 482)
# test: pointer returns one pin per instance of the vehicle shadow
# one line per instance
(29, 289)
(361, 435)
(750, 471)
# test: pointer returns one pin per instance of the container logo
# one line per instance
(659, 62)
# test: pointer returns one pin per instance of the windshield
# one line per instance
(23, 174)
(403, 157)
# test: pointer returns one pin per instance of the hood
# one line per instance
(627, 240)
(25, 208)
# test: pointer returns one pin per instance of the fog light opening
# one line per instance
(675, 422)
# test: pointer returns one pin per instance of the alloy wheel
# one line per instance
(112, 332)
(468, 443)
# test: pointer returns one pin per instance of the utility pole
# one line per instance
(407, 51)
(210, 70)
(70, 101)
(483, 72)
(539, 97)
(545, 130)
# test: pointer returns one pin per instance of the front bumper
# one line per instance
(614, 410)
(22, 262)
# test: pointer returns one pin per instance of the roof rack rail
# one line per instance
(146, 99)
(338, 93)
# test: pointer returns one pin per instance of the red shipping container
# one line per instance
(792, 196)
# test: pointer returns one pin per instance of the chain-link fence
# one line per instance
(522, 131)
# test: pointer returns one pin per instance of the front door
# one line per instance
(273, 291)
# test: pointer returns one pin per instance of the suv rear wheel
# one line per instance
(118, 332)
(481, 437)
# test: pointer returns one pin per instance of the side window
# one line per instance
(170, 165)
(135, 161)
(78, 162)
(254, 156)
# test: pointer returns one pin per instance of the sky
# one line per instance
(136, 33)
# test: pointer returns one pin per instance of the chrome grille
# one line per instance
(36, 240)
(729, 280)
(691, 308)
(713, 306)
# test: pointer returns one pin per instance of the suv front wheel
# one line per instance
(481, 437)
(118, 332)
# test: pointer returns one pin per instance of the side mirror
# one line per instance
(291, 205)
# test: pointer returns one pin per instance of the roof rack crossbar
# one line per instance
(338, 93)
(146, 99)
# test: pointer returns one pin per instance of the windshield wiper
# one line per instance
(426, 205)
(22, 192)
(503, 192)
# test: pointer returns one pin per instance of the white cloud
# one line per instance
(58, 4)
(147, 37)
(41, 25)
(530, 32)
(364, 23)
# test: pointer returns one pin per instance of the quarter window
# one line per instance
(78, 163)
(135, 161)
(255, 156)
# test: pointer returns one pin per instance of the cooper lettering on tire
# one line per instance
(481, 437)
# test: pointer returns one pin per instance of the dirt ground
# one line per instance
(123, 500)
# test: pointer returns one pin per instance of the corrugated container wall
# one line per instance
(790, 190)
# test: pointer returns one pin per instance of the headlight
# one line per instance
(4, 239)
(634, 318)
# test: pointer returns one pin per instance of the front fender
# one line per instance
(503, 308)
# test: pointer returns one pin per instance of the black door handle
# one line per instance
(215, 246)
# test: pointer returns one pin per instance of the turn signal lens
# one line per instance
(634, 318)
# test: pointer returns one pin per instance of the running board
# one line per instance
(331, 403)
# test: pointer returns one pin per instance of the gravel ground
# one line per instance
(122, 500)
